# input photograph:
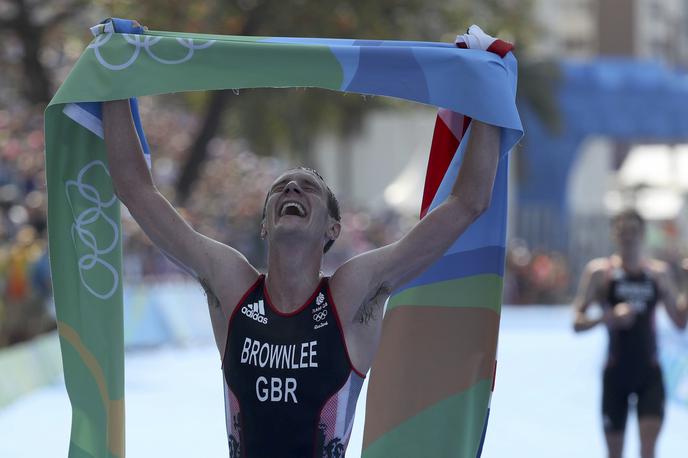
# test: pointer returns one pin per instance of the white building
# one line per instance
(565, 28)
(587, 28)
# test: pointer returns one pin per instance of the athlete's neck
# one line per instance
(293, 274)
(631, 259)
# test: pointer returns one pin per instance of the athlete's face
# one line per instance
(628, 232)
(296, 204)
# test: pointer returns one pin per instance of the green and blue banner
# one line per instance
(430, 387)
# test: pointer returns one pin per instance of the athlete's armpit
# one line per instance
(373, 308)
(213, 301)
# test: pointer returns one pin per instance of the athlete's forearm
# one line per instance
(474, 183)
(582, 320)
(584, 323)
(128, 168)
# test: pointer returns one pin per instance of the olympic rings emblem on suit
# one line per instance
(320, 315)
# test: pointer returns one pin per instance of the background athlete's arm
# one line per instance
(674, 303)
(213, 263)
(589, 292)
(382, 270)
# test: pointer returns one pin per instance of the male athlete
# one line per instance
(628, 286)
(295, 346)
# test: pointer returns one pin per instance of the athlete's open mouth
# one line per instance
(292, 208)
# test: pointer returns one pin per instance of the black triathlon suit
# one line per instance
(290, 388)
(632, 367)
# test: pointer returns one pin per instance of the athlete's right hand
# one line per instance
(138, 24)
(621, 316)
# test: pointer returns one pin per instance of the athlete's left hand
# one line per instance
(623, 316)
(476, 38)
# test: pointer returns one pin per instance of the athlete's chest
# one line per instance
(639, 293)
(258, 318)
(285, 358)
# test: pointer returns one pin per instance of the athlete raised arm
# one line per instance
(221, 270)
(366, 281)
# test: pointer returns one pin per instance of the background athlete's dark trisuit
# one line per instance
(632, 366)
(290, 389)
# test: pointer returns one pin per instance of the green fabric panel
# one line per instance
(99, 322)
(88, 415)
(484, 291)
(207, 36)
(426, 435)
(224, 64)
(77, 452)
(87, 284)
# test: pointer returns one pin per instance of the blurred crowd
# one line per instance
(24, 268)
(535, 276)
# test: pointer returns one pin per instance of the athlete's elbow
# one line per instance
(682, 324)
(124, 193)
(133, 193)
(578, 327)
(120, 191)
(482, 206)
(476, 206)
(580, 324)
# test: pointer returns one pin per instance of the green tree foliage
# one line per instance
(279, 120)
(27, 58)
(272, 121)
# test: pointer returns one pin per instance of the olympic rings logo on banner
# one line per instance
(87, 238)
(145, 42)
(320, 316)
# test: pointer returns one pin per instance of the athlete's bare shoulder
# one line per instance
(657, 267)
(228, 283)
(599, 266)
(594, 278)
(231, 278)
